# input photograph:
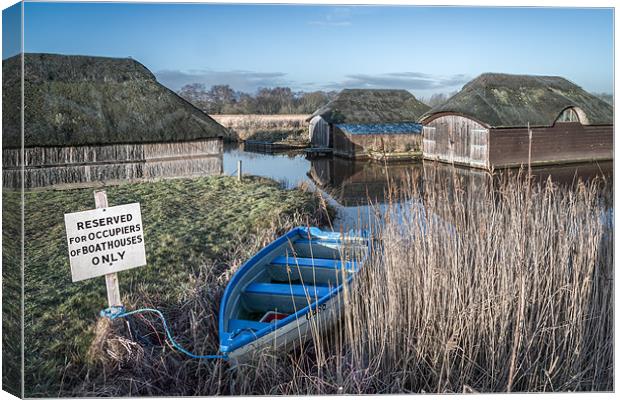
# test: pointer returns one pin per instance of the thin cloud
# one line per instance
(330, 23)
(337, 17)
(250, 81)
(246, 81)
(401, 80)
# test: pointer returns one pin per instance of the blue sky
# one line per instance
(11, 30)
(423, 49)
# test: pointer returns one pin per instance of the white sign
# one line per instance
(105, 240)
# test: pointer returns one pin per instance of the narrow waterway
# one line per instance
(293, 169)
(357, 189)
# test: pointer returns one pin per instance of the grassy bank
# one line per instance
(478, 291)
(284, 129)
(11, 294)
(190, 226)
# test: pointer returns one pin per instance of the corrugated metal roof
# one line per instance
(381, 129)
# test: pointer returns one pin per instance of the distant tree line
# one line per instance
(222, 99)
(437, 98)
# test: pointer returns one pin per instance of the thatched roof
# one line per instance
(503, 100)
(78, 100)
(372, 106)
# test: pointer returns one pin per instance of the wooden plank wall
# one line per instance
(428, 142)
(561, 143)
(456, 139)
(343, 146)
(110, 153)
(52, 166)
(357, 146)
(84, 175)
(319, 132)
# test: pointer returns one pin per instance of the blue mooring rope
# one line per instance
(119, 312)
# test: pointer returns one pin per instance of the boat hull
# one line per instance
(291, 335)
(296, 284)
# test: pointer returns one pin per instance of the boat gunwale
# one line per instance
(298, 231)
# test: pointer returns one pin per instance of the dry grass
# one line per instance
(190, 223)
(477, 290)
(495, 290)
(291, 128)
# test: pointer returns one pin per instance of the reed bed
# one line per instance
(496, 285)
(491, 290)
(283, 128)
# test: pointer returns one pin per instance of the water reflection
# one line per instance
(287, 167)
(355, 183)
(359, 189)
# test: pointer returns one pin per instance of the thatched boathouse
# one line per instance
(359, 122)
(485, 125)
(100, 119)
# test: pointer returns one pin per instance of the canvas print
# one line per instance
(204, 199)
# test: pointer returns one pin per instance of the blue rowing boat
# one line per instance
(293, 284)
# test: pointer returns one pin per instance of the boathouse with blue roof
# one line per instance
(363, 123)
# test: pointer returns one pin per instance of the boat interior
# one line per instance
(291, 277)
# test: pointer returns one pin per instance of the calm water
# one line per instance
(356, 188)
(292, 168)
(289, 168)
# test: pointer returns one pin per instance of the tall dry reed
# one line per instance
(280, 127)
(508, 289)
(488, 285)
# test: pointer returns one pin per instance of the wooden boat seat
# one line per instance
(312, 262)
(327, 249)
(283, 289)
(281, 297)
(310, 271)
(235, 324)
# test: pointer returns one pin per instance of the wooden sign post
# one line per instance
(111, 280)
(529, 152)
(104, 241)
